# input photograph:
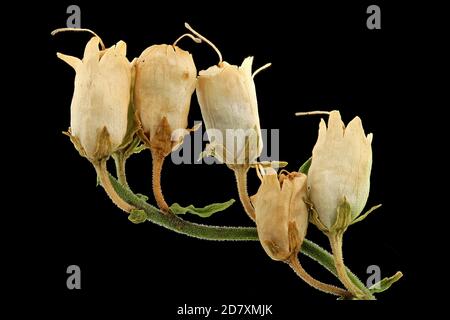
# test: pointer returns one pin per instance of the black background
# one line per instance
(323, 58)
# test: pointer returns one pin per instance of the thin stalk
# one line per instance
(219, 233)
(240, 173)
(295, 264)
(157, 164)
(105, 181)
(326, 260)
(120, 161)
(336, 246)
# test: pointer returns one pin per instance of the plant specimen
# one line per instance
(120, 108)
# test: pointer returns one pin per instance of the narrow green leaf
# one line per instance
(204, 212)
(363, 216)
(305, 166)
(386, 283)
(139, 148)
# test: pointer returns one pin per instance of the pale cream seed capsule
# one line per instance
(101, 97)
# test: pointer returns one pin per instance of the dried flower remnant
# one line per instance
(340, 168)
(101, 98)
(117, 105)
(278, 203)
(100, 102)
(165, 82)
(282, 221)
(227, 98)
(339, 183)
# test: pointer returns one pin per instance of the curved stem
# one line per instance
(336, 247)
(295, 264)
(120, 161)
(157, 163)
(240, 172)
(103, 174)
(205, 232)
(326, 260)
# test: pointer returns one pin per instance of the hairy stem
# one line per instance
(205, 232)
(336, 247)
(102, 172)
(326, 260)
(157, 164)
(240, 172)
(295, 264)
(120, 161)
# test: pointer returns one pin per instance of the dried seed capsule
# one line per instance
(227, 98)
(165, 81)
(340, 169)
(101, 98)
(281, 213)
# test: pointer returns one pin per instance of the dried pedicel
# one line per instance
(98, 120)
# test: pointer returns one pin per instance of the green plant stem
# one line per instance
(326, 260)
(110, 190)
(174, 223)
(336, 246)
(205, 232)
(120, 161)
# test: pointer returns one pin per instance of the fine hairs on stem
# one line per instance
(157, 164)
(102, 173)
(120, 161)
(240, 172)
(56, 31)
(336, 247)
(214, 233)
(295, 264)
